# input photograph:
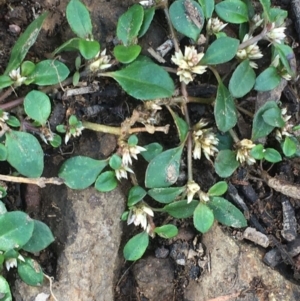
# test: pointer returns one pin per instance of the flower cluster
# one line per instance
(12, 262)
(188, 63)
(129, 151)
(16, 76)
(191, 189)
(204, 139)
(122, 172)
(280, 68)
(214, 25)
(139, 216)
(251, 52)
(101, 63)
(284, 131)
(4, 116)
(243, 152)
(275, 34)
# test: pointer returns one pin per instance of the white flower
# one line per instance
(285, 130)
(12, 262)
(280, 68)
(75, 132)
(4, 116)
(214, 25)
(138, 216)
(15, 75)
(101, 63)
(204, 139)
(130, 151)
(192, 189)
(257, 21)
(243, 152)
(204, 196)
(122, 172)
(188, 63)
(276, 34)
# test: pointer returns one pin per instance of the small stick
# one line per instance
(41, 182)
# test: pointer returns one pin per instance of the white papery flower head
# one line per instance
(243, 152)
(276, 34)
(138, 216)
(12, 262)
(15, 75)
(192, 188)
(214, 25)
(188, 63)
(129, 152)
(122, 172)
(103, 62)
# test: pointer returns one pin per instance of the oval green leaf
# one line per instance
(242, 80)
(136, 194)
(203, 218)
(145, 80)
(30, 272)
(187, 18)
(27, 68)
(80, 172)
(136, 246)
(88, 49)
(232, 11)
(5, 81)
(107, 181)
(168, 163)
(5, 290)
(181, 209)
(16, 228)
(37, 106)
(272, 155)
(23, 44)
(148, 17)
(218, 189)
(129, 24)
(166, 195)
(224, 110)
(181, 125)
(273, 117)
(226, 163)
(220, 51)
(24, 153)
(166, 231)
(226, 213)
(208, 7)
(257, 152)
(41, 238)
(3, 152)
(152, 150)
(127, 54)
(268, 80)
(289, 147)
(79, 19)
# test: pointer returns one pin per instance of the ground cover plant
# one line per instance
(158, 86)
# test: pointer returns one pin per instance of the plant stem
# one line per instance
(234, 136)
(41, 182)
(6, 94)
(245, 111)
(12, 104)
(254, 39)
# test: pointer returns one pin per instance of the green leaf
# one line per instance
(41, 238)
(289, 147)
(226, 163)
(285, 52)
(224, 110)
(268, 80)
(80, 172)
(166, 195)
(226, 213)
(24, 153)
(30, 272)
(218, 189)
(37, 106)
(260, 128)
(277, 16)
(208, 7)
(152, 150)
(136, 246)
(272, 155)
(232, 11)
(107, 181)
(257, 152)
(49, 72)
(166, 231)
(27, 68)
(70, 45)
(148, 17)
(273, 117)
(23, 44)
(220, 51)
(13, 121)
(15, 230)
(56, 141)
(242, 80)
(183, 20)
(5, 290)
(266, 4)
(5, 81)
(127, 54)
(88, 49)
(129, 24)
(76, 77)
(79, 19)
(225, 141)
(136, 194)
(138, 80)
(203, 218)
(115, 162)
(181, 125)
(181, 209)
(3, 152)
(168, 163)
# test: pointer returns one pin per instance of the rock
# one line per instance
(154, 277)
(235, 267)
